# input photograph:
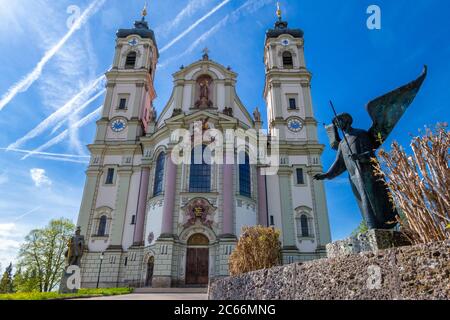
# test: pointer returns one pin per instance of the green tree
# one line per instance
(6, 283)
(42, 255)
(361, 229)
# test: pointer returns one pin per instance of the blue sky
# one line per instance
(350, 63)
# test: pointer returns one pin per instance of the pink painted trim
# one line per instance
(169, 196)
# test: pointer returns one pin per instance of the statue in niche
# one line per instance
(204, 84)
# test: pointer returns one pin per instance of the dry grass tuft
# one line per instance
(257, 248)
(420, 184)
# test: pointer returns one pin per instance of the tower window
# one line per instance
(244, 178)
(122, 103)
(133, 219)
(159, 174)
(292, 104)
(130, 63)
(272, 220)
(300, 176)
(305, 226)
(110, 176)
(200, 174)
(101, 232)
(287, 60)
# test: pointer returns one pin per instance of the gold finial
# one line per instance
(144, 11)
(278, 10)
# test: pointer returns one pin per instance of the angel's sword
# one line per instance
(351, 154)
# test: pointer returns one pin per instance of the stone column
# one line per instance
(262, 199)
(169, 197)
(287, 212)
(138, 238)
(124, 179)
(87, 204)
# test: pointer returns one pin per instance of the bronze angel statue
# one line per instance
(357, 147)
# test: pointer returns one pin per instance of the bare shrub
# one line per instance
(257, 248)
(420, 184)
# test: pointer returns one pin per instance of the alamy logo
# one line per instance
(74, 280)
(374, 20)
(75, 13)
(374, 279)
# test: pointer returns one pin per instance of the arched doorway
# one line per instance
(150, 266)
(197, 260)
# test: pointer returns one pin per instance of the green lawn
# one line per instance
(54, 295)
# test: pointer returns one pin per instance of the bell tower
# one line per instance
(298, 203)
(287, 87)
(128, 111)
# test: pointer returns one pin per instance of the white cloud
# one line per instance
(11, 238)
(39, 177)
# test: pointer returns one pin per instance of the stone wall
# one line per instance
(414, 272)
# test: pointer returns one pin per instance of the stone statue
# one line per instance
(257, 115)
(204, 90)
(75, 248)
(356, 151)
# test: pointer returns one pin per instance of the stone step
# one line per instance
(171, 290)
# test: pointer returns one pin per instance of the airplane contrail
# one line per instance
(26, 214)
(80, 108)
(58, 114)
(29, 79)
(63, 155)
(65, 133)
(193, 26)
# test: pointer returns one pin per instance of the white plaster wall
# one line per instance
(153, 223)
(167, 114)
(245, 217)
(125, 89)
(239, 114)
(220, 98)
(273, 200)
(306, 245)
(98, 245)
(187, 96)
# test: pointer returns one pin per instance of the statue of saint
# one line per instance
(356, 151)
(204, 89)
(75, 248)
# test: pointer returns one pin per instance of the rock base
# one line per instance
(372, 241)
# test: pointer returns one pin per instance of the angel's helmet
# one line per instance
(343, 121)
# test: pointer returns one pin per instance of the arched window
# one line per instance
(304, 226)
(244, 178)
(159, 174)
(130, 63)
(200, 173)
(288, 63)
(102, 226)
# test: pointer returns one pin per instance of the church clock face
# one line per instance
(118, 125)
(295, 125)
(133, 42)
(285, 42)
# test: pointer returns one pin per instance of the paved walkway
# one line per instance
(154, 296)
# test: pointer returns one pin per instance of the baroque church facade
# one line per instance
(148, 221)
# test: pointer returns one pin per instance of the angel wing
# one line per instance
(387, 110)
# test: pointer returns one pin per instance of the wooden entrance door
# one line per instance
(197, 261)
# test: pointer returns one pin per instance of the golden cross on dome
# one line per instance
(144, 11)
(278, 10)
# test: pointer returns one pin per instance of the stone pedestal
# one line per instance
(373, 240)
